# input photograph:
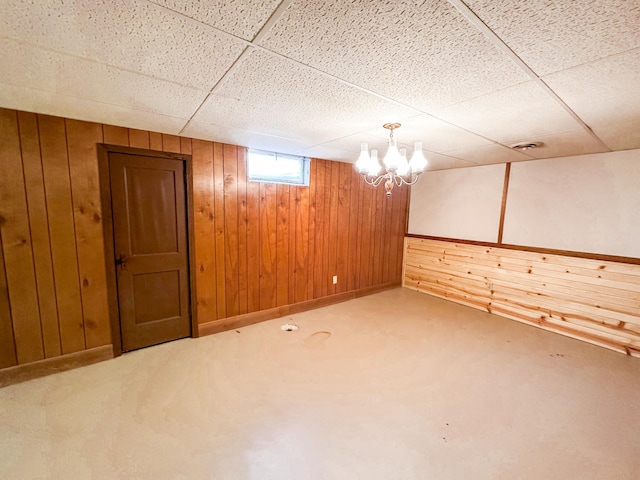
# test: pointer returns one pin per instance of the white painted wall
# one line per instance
(586, 203)
(459, 203)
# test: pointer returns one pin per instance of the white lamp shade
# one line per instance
(418, 163)
(374, 164)
(403, 167)
(362, 165)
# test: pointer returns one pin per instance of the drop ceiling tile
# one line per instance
(436, 161)
(565, 144)
(490, 154)
(515, 113)
(606, 96)
(437, 135)
(424, 55)
(554, 35)
(328, 153)
(67, 106)
(245, 138)
(134, 35)
(273, 96)
(61, 74)
(242, 18)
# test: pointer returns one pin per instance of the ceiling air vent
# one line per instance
(526, 145)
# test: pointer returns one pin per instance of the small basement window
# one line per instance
(271, 167)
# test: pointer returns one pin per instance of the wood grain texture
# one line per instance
(204, 231)
(40, 240)
(82, 138)
(16, 243)
(218, 185)
(138, 138)
(282, 244)
(8, 356)
(591, 300)
(230, 154)
(115, 135)
(55, 162)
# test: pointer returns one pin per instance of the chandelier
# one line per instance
(397, 170)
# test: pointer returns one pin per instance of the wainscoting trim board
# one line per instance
(594, 300)
(238, 321)
(48, 366)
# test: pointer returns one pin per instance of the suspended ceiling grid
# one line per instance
(317, 78)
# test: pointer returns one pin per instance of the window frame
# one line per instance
(305, 168)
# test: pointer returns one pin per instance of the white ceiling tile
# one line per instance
(40, 101)
(426, 55)
(273, 96)
(328, 153)
(555, 35)
(522, 111)
(131, 34)
(606, 96)
(242, 18)
(54, 72)
(564, 144)
(489, 154)
(436, 161)
(235, 136)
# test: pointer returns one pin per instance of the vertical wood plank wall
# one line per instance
(257, 246)
(592, 300)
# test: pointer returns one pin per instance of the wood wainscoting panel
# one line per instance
(593, 300)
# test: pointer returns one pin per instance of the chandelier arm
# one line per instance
(378, 180)
(414, 179)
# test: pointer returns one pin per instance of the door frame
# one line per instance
(107, 232)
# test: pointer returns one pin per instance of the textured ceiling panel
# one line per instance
(606, 95)
(426, 55)
(242, 18)
(554, 35)
(522, 112)
(235, 136)
(489, 154)
(40, 101)
(287, 100)
(133, 34)
(566, 144)
(73, 76)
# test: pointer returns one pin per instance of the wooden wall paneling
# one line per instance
(332, 239)
(155, 141)
(40, 241)
(294, 203)
(327, 287)
(380, 204)
(138, 138)
(170, 143)
(354, 220)
(301, 252)
(83, 138)
(8, 356)
(387, 241)
(253, 246)
(579, 300)
(343, 227)
(318, 239)
(204, 231)
(268, 257)
(243, 220)
(394, 236)
(230, 154)
(366, 239)
(64, 249)
(282, 243)
(219, 218)
(16, 243)
(312, 230)
(185, 145)
(115, 135)
(359, 237)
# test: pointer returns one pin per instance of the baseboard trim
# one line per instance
(224, 324)
(41, 368)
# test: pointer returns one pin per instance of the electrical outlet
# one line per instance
(335, 279)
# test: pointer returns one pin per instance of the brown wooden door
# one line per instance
(150, 239)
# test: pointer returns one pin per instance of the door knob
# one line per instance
(122, 261)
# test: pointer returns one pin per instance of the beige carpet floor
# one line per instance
(397, 385)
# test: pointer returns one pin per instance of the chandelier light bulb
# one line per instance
(403, 167)
(392, 159)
